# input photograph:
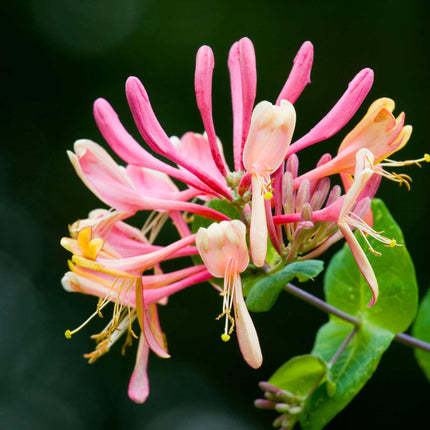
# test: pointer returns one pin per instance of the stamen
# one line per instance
(355, 221)
(154, 224)
(394, 163)
(228, 299)
(68, 333)
(400, 178)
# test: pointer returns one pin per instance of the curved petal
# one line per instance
(300, 74)
(340, 113)
(243, 81)
(138, 388)
(246, 333)
(203, 87)
(258, 230)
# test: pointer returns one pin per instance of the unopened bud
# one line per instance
(325, 158)
(306, 213)
(295, 410)
(264, 404)
(303, 195)
(292, 165)
(282, 407)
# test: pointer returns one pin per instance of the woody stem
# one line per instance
(403, 338)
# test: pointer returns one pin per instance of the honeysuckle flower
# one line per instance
(378, 132)
(224, 251)
(120, 264)
(267, 144)
(347, 212)
(200, 158)
(97, 243)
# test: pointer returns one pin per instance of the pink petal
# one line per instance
(203, 88)
(130, 151)
(154, 336)
(161, 280)
(300, 74)
(111, 184)
(154, 135)
(340, 114)
(361, 260)
(141, 263)
(243, 79)
(154, 295)
(273, 233)
(138, 388)
(196, 147)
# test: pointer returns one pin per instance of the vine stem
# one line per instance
(403, 338)
(343, 346)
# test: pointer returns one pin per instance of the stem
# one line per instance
(321, 304)
(403, 338)
(413, 342)
(343, 346)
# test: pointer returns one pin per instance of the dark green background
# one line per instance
(58, 56)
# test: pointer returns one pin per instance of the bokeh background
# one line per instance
(58, 56)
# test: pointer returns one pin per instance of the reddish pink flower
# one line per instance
(106, 264)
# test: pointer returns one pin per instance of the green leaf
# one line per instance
(421, 330)
(264, 293)
(350, 372)
(300, 374)
(346, 289)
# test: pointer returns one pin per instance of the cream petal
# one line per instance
(246, 333)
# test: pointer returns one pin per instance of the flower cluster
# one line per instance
(297, 215)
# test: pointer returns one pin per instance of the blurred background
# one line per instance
(58, 56)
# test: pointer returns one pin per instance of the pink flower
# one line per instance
(225, 254)
(108, 265)
(347, 212)
(120, 264)
(266, 146)
(378, 132)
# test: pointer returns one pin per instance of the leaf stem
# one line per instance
(403, 338)
(343, 346)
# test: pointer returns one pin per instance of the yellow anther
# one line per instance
(393, 243)
(225, 337)
(68, 334)
(268, 195)
(427, 158)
